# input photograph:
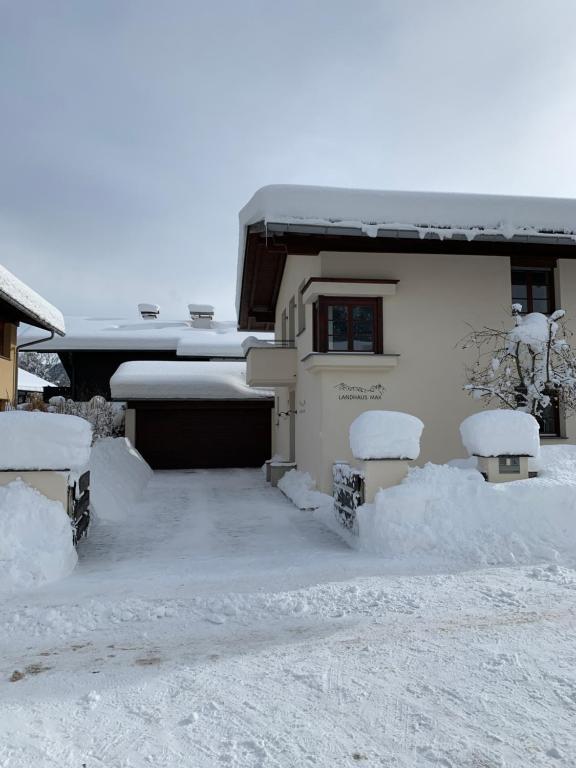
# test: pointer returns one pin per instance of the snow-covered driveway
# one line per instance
(223, 627)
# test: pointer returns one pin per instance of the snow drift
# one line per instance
(301, 490)
(118, 477)
(445, 513)
(385, 435)
(501, 432)
(38, 440)
(35, 538)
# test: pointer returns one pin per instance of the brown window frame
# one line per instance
(529, 269)
(321, 323)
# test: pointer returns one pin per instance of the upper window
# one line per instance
(348, 325)
(533, 289)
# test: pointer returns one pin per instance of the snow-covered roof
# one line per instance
(220, 339)
(420, 214)
(183, 380)
(30, 303)
(29, 382)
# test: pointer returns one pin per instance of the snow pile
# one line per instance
(118, 477)
(38, 440)
(301, 489)
(21, 296)
(35, 538)
(385, 435)
(501, 433)
(449, 514)
(172, 380)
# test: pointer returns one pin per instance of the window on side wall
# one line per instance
(4, 339)
(301, 309)
(533, 289)
(348, 325)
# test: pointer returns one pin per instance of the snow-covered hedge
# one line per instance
(118, 477)
(35, 538)
(501, 433)
(444, 513)
(385, 435)
(38, 440)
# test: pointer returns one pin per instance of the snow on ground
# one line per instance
(35, 538)
(218, 625)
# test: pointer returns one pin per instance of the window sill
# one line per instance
(339, 361)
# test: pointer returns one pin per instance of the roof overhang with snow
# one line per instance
(283, 220)
(184, 380)
(20, 304)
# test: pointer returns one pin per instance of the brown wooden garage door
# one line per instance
(204, 434)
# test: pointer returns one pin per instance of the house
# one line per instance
(95, 347)
(194, 414)
(20, 304)
(30, 384)
(369, 294)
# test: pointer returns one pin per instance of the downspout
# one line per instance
(18, 348)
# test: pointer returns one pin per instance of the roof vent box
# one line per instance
(201, 315)
(149, 311)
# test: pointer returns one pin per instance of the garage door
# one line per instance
(204, 435)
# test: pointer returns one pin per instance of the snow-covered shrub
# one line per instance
(106, 418)
(524, 367)
(500, 433)
(35, 538)
(385, 435)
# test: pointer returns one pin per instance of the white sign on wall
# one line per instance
(356, 392)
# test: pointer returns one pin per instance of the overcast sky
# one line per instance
(133, 131)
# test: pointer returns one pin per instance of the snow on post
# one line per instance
(385, 435)
(501, 433)
(38, 440)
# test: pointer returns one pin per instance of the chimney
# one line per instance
(201, 315)
(149, 311)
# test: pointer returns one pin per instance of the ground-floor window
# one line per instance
(348, 324)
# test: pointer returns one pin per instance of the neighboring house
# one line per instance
(94, 347)
(369, 294)
(30, 384)
(20, 304)
(183, 415)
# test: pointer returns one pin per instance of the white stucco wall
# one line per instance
(437, 299)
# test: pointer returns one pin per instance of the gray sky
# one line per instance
(133, 131)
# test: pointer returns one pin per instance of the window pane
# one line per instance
(541, 305)
(337, 328)
(363, 329)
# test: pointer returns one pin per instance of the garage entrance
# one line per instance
(203, 434)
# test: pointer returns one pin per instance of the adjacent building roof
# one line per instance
(218, 339)
(33, 308)
(29, 382)
(183, 380)
(283, 219)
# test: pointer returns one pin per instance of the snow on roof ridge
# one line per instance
(24, 298)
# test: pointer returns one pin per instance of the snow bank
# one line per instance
(450, 514)
(35, 538)
(38, 440)
(301, 489)
(171, 380)
(21, 296)
(385, 435)
(118, 477)
(501, 432)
